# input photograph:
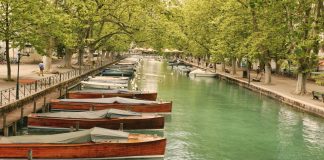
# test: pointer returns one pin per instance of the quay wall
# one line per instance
(296, 103)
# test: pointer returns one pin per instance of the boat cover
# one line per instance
(110, 78)
(103, 84)
(107, 91)
(95, 134)
(107, 113)
(110, 100)
(111, 81)
(199, 71)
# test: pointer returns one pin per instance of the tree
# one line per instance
(305, 22)
(16, 21)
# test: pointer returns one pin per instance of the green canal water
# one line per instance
(215, 120)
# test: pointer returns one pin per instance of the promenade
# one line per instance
(27, 71)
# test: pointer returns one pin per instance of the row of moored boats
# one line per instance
(97, 117)
(190, 70)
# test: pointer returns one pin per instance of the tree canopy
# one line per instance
(212, 30)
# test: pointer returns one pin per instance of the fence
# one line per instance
(9, 95)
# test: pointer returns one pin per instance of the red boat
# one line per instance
(134, 105)
(95, 143)
(109, 118)
(112, 93)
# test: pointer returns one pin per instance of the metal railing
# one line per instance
(8, 96)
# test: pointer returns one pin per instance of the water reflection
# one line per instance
(213, 119)
(313, 132)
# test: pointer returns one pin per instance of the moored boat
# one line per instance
(112, 93)
(94, 143)
(117, 72)
(109, 118)
(103, 85)
(202, 73)
(106, 79)
(134, 105)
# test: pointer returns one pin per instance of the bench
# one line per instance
(318, 95)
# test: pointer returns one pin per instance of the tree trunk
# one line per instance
(47, 59)
(223, 66)
(277, 67)
(301, 84)
(80, 58)
(68, 58)
(238, 63)
(7, 36)
(233, 66)
(267, 73)
(8, 61)
(90, 56)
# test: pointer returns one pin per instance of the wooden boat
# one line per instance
(109, 118)
(112, 93)
(134, 105)
(201, 73)
(95, 143)
(102, 85)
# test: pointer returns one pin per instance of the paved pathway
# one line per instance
(27, 71)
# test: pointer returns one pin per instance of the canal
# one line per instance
(215, 120)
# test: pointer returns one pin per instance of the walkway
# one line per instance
(27, 71)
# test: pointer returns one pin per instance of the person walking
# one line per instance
(41, 68)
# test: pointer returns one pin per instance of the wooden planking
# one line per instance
(149, 108)
(151, 122)
(144, 96)
(86, 150)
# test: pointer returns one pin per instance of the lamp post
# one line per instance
(27, 51)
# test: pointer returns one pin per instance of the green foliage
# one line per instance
(256, 30)
(319, 79)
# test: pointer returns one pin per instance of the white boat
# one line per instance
(184, 69)
(202, 73)
(106, 79)
(102, 85)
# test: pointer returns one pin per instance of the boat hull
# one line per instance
(129, 123)
(145, 108)
(144, 96)
(202, 75)
(85, 150)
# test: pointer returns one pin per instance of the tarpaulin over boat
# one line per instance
(201, 71)
(107, 113)
(91, 135)
(107, 91)
(103, 85)
(110, 80)
(110, 100)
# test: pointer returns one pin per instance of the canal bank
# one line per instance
(302, 103)
(213, 119)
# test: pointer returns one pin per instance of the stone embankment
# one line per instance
(281, 89)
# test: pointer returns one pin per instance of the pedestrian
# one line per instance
(41, 68)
